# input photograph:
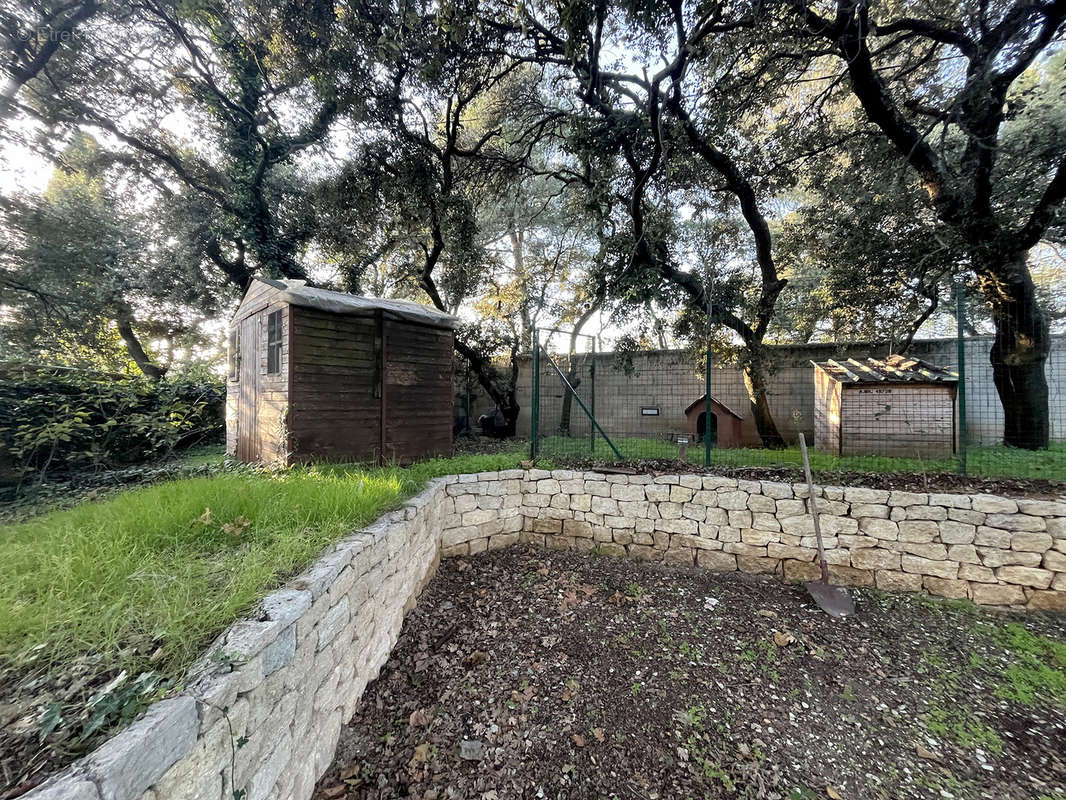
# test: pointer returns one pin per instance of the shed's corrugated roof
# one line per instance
(893, 369)
(299, 294)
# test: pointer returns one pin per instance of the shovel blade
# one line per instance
(833, 600)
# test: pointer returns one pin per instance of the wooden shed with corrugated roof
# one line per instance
(322, 375)
(896, 406)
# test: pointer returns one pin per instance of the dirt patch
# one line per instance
(529, 673)
(902, 481)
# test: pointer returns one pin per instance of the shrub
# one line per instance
(56, 419)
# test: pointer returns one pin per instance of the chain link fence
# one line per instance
(934, 409)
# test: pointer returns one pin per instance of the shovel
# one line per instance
(831, 599)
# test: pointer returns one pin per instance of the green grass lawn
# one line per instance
(983, 461)
(152, 571)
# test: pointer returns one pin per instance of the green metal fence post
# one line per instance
(534, 408)
(960, 331)
(592, 399)
(707, 386)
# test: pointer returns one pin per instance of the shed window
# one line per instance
(234, 355)
(274, 343)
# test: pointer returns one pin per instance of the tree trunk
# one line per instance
(133, 346)
(1019, 351)
(757, 383)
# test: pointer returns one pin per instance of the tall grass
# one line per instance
(162, 570)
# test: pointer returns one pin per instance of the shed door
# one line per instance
(247, 410)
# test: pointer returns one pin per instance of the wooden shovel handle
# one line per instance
(814, 509)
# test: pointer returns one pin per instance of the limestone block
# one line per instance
(1058, 583)
(762, 503)
(963, 553)
(918, 531)
(125, 765)
(611, 549)
(693, 542)
(849, 576)
(677, 526)
(573, 486)
(778, 491)
(1042, 508)
(286, 605)
(969, 517)
(740, 548)
(502, 540)
(859, 510)
(756, 565)
(757, 537)
(627, 492)
(796, 570)
(854, 542)
(997, 594)
(715, 482)
(937, 513)
(1025, 576)
(1056, 527)
(681, 494)
(65, 786)
(875, 558)
(644, 552)
(832, 508)
(990, 504)
(463, 549)
(976, 573)
(336, 618)
(680, 555)
(581, 502)
(996, 557)
(694, 511)
(735, 500)
(706, 498)
(670, 510)
(536, 500)
(751, 487)
(928, 566)
(739, 518)
(667, 480)
(464, 503)
(637, 508)
(952, 532)
(1047, 601)
(598, 488)
(717, 561)
(657, 493)
(791, 508)
(879, 528)
(764, 521)
(992, 537)
(784, 551)
(950, 500)
(1055, 560)
(941, 587)
(1031, 542)
(576, 528)
(863, 495)
(905, 499)
(891, 581)
(1016, 522)
(717, 516)
(560, 501)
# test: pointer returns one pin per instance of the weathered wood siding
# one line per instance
(906, 420)
(257, 428)
(826, 413)
(335, 400)
(418, 390)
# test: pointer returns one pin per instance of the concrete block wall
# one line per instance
(261, 713)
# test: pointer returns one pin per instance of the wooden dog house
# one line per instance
(897, 406)
(315, 374)
(725, 422)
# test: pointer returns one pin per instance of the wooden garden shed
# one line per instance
(315, 374)
(896, 406)
(725, 422)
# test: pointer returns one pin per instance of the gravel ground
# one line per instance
(530, 673)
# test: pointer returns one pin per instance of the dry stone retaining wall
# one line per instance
(992, 550)
(281, 684)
